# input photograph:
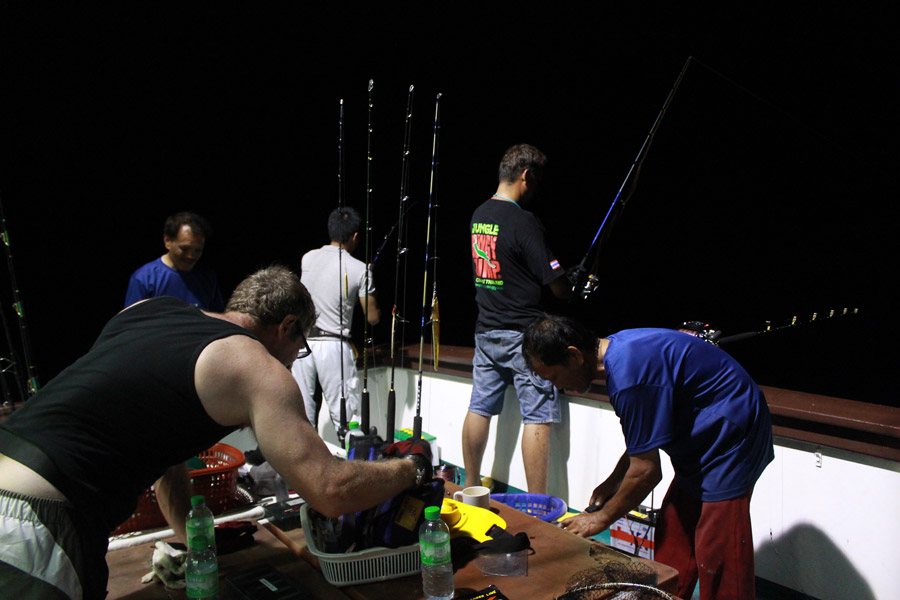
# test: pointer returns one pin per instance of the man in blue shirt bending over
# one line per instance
(176, 272)
(673, 392)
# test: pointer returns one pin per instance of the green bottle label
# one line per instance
(434, 554)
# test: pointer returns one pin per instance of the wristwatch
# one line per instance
(421, 470)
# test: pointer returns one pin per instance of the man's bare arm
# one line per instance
(372, 312)
(239, 383)
(173, 493)
(644, 472)
(561, 287)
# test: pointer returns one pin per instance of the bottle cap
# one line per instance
(353, 425)
(198, 500)
(433, 513)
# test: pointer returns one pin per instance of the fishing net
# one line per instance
(615, 591)
(615, 577)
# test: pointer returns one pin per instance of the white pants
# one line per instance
(324, 364)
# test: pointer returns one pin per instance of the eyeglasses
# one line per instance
(305, 350)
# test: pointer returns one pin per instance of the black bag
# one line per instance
(394, 522)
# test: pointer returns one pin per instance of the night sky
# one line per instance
(764, 195)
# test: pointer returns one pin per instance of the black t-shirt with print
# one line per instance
(510, 264)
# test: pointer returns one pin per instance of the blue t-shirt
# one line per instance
(199, 286)
(675, 392)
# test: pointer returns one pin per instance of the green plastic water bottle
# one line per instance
(200, 523)
(434, 548)
(201, 571)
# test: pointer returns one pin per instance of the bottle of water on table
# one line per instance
(200, 523)
(434, 546)
(201, 571)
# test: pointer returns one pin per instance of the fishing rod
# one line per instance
(401, 251)
(710, 334)
(587, 280)
(417, 420)
(342, 277)
(9, 364)
(31, 387)
(364, 398)
(391, 231)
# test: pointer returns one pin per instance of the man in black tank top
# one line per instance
(164, 381)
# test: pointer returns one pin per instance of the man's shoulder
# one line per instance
(504, 213)
(154, 266)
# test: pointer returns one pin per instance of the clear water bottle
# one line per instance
(200, 523)
(201, 571)
(434, 546)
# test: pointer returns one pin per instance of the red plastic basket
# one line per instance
(218, 482)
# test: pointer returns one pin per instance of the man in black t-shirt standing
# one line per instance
(510, 264)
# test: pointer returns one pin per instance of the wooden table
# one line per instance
(126, 567)
(558, 555)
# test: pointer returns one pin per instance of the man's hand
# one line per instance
(585, 524)
(416, 450)
(602, 493)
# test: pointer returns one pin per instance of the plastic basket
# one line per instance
(365, 566)
(217, 482)
(542, 506)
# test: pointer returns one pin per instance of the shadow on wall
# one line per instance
(806, 559)
(509, 426)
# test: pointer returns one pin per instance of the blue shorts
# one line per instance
(498, 363)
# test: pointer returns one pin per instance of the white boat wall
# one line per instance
(825, 519)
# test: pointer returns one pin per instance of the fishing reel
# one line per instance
(583, 283)
(702, 330)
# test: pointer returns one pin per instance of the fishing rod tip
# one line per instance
(371, 84)
(438, 97)
(411, 88)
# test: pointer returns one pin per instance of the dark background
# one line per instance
(765, 194)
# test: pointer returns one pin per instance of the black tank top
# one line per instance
(116, 419)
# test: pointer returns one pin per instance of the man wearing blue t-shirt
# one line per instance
(673, 392)
(176, 272)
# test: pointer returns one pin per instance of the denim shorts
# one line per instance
(498, 363)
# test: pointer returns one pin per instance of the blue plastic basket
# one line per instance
(542, 506)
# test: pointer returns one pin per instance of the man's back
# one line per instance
(329, 288)
(681, 394)
(100, 420)
(510, 264)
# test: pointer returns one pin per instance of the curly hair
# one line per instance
(270, 295)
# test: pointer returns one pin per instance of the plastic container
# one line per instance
(201, 571)
(508, 564)
(364, 566)
(200, 523)
(542, 506)
(217, 482)
(437, 568)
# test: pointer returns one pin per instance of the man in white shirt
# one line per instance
(335, 280)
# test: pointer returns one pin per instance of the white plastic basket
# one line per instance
(364, 566)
